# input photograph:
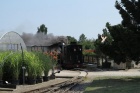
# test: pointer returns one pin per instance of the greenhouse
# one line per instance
(22, 67)
(11, 41)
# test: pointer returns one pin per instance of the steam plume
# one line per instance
(41, 39)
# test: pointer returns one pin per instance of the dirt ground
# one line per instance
(109, 72)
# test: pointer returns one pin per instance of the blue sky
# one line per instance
(61, 17)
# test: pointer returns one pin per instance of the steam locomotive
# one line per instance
(69, 56)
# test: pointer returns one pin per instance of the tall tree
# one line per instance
(42, 29)
(124, 44)
(130, 12)
(71, 39)
(104, 47)
(120, 45)
(89, 44)
(120, 48)
(82, 38)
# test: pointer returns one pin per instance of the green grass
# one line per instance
(114, 85)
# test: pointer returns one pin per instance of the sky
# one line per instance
(61, 17)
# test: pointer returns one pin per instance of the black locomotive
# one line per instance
(69, 56)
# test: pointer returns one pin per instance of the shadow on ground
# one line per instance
(114, 85)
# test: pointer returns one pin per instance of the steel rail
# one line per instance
(62, 87)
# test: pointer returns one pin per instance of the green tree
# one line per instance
(42, 29)
(89, 44)
(104, 48)
(71, 39)
(119, 46)
(82, 38)
(124, 43)
(88, 47)
(130, 12)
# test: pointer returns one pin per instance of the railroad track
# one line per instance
(61, 87)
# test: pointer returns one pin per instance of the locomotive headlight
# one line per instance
(63, 44)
